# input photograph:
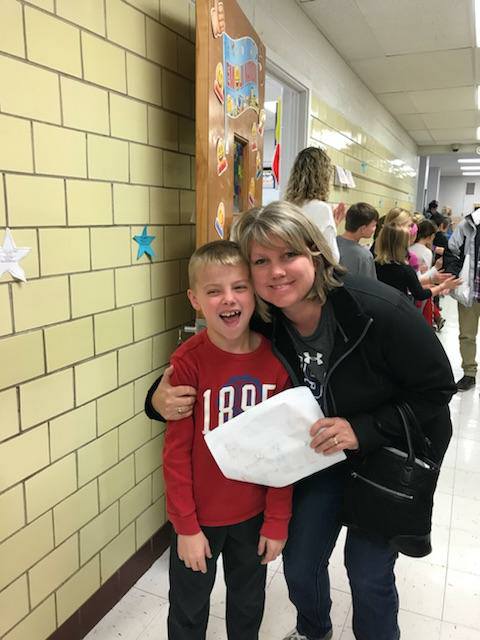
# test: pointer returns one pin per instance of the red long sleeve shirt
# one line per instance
(227, 384)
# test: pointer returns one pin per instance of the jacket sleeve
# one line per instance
(420, 373)
(149, 409)
(414, 286)
(457, 239)
(177, 466)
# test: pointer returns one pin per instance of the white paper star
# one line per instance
(10, 255)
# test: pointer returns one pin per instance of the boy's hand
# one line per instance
(193, 550)
(270, 549)
(173, 403)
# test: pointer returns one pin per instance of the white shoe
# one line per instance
(294, 635)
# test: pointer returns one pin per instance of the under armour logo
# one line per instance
(307, 358)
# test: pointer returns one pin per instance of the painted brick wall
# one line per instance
(96, 141)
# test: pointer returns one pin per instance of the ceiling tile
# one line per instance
(450, 119)
(419, 25)
(422, 137)
(453, 99)
(453, 135)
(418, 71)
(412, 121)
(350, 35)
(397, 102)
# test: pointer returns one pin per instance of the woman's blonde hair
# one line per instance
(284, 221)
(310, 176)
(392, 245)
(398, 217)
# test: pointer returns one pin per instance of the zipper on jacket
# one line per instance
(397, 494)
(339, 361)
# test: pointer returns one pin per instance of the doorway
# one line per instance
(286, 129)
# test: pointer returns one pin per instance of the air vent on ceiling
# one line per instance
(470, 189)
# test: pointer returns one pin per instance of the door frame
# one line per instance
(296, 109)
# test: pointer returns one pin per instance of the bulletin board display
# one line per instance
(230, 118)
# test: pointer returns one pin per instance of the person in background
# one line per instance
(422, 248)
(432, 209)
(247, 523)
(309, 188)
(466, 240)
(360, 223)
(393, 268)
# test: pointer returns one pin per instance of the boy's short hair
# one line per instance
(359, 215)
(440, 220)
(219, 252)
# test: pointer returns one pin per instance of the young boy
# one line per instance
(232, 369)
(360, 223)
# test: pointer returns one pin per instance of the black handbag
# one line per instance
(389, 492)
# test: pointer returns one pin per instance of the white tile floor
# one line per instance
(439, 594)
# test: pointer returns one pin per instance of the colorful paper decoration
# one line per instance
(10, 256)
(217, 14)
(262, 116)
(220, 220)
(240, 57)
(144, 241)
(218, 85)
(222, 162)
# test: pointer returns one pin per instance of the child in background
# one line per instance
(423, 250)
(232, 369)
(392, 266)
(360, 223)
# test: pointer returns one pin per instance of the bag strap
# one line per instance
(413, 432)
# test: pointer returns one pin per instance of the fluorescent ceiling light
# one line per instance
(471, 173)
(478, 128)
(477, 23)
(471, 168)
(478, 96)
(468, 160)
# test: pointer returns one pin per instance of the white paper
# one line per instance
(269, 444)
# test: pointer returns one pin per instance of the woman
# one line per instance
(309, 187)
(349, 339)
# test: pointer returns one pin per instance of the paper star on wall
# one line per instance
(10, 256)
(144, 242)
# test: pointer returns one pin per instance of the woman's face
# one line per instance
(281, 276)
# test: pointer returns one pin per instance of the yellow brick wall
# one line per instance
(378, 182)
(96, 140)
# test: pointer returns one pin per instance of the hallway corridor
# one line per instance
(439, 594)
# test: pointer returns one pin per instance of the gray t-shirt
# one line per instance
(314, 351)
(357, 259)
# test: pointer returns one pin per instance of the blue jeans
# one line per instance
(314, 529)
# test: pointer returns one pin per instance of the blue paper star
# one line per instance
(144, 242)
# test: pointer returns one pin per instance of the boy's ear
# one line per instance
(193, 300)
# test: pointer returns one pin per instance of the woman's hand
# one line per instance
(173, 403)
(339, 213)
(330, 435)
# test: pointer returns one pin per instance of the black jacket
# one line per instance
(384, 353)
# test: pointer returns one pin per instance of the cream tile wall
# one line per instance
(97, 140)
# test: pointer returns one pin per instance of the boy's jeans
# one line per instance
(314, 529)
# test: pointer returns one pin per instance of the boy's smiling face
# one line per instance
(224, 294)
